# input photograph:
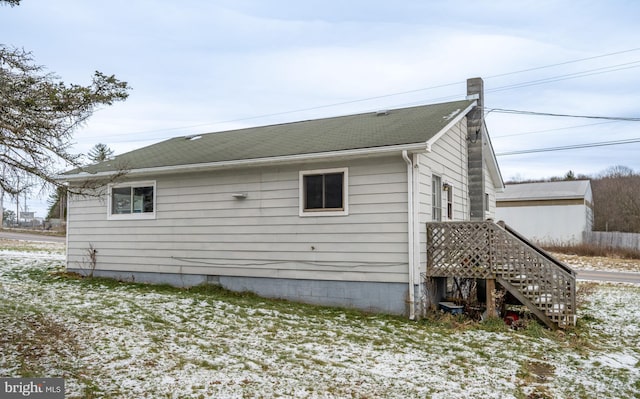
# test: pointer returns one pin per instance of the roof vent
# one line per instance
(382, 112)
(451, 115)
(193, 138)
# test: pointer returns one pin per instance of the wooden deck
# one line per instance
(490, 251)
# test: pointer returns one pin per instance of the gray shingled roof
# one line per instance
(544, 190)
(369, 130)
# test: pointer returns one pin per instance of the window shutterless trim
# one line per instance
(133, 215)
(343, 211)
(436, 198)
(450, 202)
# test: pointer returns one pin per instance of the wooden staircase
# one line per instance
(486, 250)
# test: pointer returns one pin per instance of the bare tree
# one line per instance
(616, 197)
(38, 115)
(617, 171)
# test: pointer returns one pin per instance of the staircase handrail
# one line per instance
(536, 248)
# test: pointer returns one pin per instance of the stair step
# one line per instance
(557, 308)
(544, 299)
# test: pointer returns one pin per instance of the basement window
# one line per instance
(132, 201)
(324, 192)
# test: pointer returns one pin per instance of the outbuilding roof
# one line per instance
(373, 130)
(570, 189)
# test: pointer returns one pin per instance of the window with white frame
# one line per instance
(135, 200)
(449, 191)
(436, 198)
(324, 192)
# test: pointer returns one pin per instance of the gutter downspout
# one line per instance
(410, 236)
(66, 229)
(417, 243)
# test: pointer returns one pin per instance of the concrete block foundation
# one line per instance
(374, 297)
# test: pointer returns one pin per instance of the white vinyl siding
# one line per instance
(490, 194)
(201, 228)
(447, 159)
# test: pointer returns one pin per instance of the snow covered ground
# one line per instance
(599, 263)
(113, 340)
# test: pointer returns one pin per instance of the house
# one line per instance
(556, 212)
(329, 211)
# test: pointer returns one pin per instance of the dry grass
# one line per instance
(56, 232)
(593, 250)
(36, 339)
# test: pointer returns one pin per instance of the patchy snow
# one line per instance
(599, 263)
(616, 360)
(113, 341)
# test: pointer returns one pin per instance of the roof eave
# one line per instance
(550, 198)
(451, 123)
(360, 152)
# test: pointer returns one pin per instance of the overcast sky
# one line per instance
(205, 66)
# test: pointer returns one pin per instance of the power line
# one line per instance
(302, 109)
(508, 87)
(524, 84)
(610, 118)
(563, 63)
(571, 147)
(575, 75)
(551, 130)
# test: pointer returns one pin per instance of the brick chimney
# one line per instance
(475, 150)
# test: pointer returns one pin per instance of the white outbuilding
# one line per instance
(548, 212)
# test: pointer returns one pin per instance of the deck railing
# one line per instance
(486, 250)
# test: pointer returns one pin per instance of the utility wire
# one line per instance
(508, 87)
(303, 109)
(610, 118)
(563, 63)
(571, 147)
(575, 75)
(551, 130)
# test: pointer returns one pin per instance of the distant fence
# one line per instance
(613, 239)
